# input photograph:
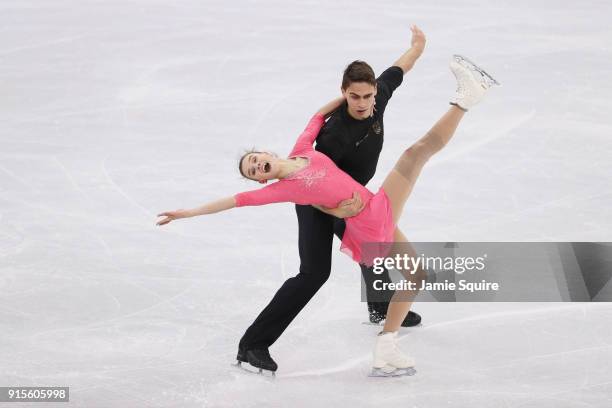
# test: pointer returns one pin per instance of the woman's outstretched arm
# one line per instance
(208, 208)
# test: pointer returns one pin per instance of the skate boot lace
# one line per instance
(462, 89)
(467, 75)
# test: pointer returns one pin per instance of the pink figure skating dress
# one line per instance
(322, 183)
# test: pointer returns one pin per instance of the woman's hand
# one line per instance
(173, 215)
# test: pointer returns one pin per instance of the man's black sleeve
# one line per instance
(387, 82)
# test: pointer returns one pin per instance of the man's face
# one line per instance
(360, 99)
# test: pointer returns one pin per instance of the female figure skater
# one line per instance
(309, 177)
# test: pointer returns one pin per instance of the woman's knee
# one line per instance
(420, 276)
(417, 277)
(412, 160)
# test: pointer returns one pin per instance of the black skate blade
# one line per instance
(383, 323)
(397, 372)
(247, 368)
(461, 58)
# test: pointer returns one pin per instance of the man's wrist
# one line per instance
(349, 213)
(417, 51)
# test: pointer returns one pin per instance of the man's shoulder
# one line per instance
(336, 122)
(393, 73)
(387, 82)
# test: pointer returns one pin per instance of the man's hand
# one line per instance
(351, 206)
(346, 209)
(409, 58)
(418, 39)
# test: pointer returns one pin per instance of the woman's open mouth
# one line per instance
(266, 167)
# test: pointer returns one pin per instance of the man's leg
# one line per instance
(315, 245)
(377, 302)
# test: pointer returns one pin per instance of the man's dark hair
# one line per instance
(358, 71)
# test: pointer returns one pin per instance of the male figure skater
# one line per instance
(353, 139)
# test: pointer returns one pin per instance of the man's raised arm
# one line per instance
(408, 59)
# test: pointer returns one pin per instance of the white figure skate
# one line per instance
(389, 361)
(473, 82)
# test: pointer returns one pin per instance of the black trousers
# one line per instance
(316, 234)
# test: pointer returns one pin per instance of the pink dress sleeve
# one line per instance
(277, 192)
(308, 136)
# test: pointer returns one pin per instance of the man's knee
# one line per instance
(315, 274)
(339, 228)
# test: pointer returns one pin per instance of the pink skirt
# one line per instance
(374, 227)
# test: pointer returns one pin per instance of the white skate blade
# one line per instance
(374, 324)
(247, 368)
(388, 371)
(470, 65)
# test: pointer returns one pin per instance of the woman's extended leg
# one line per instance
(388, 359)
(400, 181)
(472, 85)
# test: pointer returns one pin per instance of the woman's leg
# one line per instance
(472, 84)
(402, 299)
(400, 181)
(388, 359)
(398, 186)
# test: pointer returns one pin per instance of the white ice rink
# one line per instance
(112, 111)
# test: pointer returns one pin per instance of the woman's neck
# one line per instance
(289, 166)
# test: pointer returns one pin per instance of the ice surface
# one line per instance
(113, 111)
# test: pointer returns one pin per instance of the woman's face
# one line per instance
(260, 166)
